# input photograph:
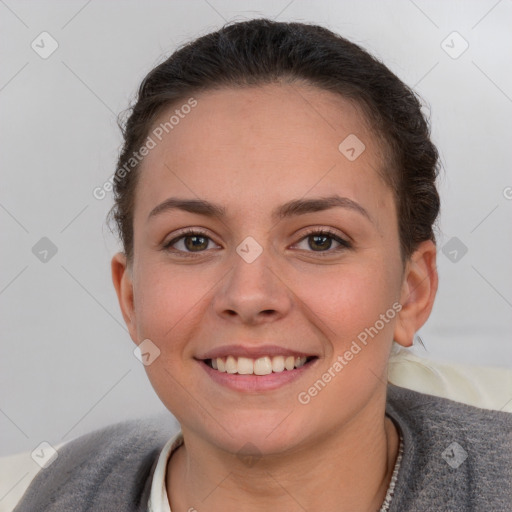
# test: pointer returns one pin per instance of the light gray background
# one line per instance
(67, 363)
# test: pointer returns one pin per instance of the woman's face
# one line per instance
(256, 282)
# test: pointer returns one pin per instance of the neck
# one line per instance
(345, 471)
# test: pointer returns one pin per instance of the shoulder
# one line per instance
(434, 412)
(456, 456)
(112, 465)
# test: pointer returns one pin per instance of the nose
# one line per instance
(253, 293)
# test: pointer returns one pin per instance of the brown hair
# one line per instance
(262, 51)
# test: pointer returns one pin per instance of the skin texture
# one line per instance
(251, 150)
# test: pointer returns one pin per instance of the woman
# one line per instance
(276, 198)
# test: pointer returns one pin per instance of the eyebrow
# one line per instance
(289, 209)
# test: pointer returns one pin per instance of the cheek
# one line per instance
(351, 299)
(164, 300)
(168, 309)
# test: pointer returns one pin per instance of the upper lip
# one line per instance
(253, 352)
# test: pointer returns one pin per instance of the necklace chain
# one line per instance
(391, 488)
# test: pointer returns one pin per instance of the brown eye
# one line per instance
(321, 241)
(193, 243)
(189, 242)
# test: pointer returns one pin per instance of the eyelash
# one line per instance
(344, 244)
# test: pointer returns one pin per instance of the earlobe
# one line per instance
(123, 284)
(419, 288)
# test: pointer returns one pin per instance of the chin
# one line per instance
(267, 434)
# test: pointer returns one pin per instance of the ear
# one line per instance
(418, 292)
(123, 283)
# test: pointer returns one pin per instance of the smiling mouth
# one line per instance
(260, 366)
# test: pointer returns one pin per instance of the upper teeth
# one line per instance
(261, 366)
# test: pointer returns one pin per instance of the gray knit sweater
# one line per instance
(456, 458)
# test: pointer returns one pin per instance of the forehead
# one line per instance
(261, 145)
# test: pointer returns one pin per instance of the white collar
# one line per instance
(158, 499)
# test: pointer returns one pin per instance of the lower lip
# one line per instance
(256, 383)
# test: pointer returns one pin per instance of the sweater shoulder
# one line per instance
(108, 469)
(435, 414)
(456, 456)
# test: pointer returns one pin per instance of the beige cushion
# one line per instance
(485, 387)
